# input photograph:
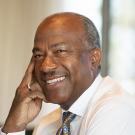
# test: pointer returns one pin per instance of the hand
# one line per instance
(26, 104)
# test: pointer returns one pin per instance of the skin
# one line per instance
(58, 54)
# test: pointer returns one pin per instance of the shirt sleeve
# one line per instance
(14, 133)
(113, 118)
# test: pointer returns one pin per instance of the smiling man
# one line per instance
(64, 70)
(61, 60)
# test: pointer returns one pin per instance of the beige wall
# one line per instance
(18, 22)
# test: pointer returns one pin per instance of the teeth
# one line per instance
(56, 80)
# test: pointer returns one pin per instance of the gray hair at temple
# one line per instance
(91, 33)
(92, 39)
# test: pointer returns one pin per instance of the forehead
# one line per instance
(53, 41)
(60, 26)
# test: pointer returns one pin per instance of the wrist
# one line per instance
(12, 133)
(9, 128)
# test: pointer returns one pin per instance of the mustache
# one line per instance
(51, 73)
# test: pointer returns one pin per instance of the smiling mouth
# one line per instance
(56, 80)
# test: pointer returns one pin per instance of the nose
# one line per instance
(48, 64)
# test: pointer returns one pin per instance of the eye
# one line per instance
(38, 56)
(60, 51)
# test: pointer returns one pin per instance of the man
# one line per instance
(64, 70)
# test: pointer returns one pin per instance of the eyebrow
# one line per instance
(35, 50)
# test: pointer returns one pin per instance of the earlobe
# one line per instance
(95, 57)
(93, 60)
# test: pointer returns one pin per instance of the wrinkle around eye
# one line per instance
(38, 56)
(61, 51)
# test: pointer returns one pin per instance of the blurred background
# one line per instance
(114, 19)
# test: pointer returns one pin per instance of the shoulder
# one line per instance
(115, 116)
(110, 111)
(112, 115)
(111, 96)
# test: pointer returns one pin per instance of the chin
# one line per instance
(57, 100)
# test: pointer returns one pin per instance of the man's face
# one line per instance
(62, 66)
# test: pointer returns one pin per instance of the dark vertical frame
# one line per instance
(105, 36)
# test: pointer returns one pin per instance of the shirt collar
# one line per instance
(80, 105)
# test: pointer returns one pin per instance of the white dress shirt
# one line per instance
(79, 107)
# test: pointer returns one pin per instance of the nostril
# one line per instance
(50, 73)
(48, 64)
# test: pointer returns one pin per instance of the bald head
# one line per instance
(68, 21)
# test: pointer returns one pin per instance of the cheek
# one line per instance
(82, 69)
(74, 68)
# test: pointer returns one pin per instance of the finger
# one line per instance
(33, 95)
(28, 74)
(35, 86)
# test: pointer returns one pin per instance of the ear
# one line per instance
(95, 57)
